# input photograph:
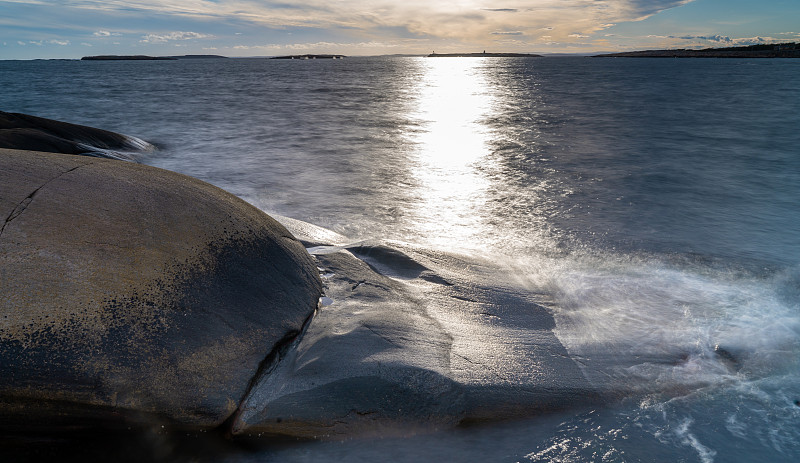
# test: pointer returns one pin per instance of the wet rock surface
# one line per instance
(412, 342)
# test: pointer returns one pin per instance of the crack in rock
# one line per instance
(20, 208)
(267, 366)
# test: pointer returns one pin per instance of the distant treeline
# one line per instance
(772, 46)
(773, 50)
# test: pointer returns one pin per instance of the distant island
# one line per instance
(483, 55)
(309, 57)
(147, 58)
(777, 50)
(199, 57)
(126, 58)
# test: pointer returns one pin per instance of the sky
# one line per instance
(75, 28)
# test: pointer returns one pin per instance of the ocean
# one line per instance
(651, 205)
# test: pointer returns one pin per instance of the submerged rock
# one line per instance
(132, 293)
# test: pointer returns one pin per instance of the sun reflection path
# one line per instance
(454, 102)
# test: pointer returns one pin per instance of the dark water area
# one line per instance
(652, 202)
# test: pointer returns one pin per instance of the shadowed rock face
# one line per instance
(127, 288)
(24, 132)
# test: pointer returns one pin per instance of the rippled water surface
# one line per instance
(652, 202)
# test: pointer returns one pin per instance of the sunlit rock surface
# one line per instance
(128, 289)
(373, 359)
(411, 341)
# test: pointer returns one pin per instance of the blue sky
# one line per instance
(75, 28)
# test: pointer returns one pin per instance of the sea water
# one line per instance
(651, 203)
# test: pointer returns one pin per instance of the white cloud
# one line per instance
(177, 35)
(85, 44)
(578, 36)
(756, 40)
(708, 38)
(106, 34)
(41, 43)
(461, 20)
(723, 39)
(319, 47)
(702, 41)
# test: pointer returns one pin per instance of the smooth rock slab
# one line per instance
(127, 288)
(372, 363)
(412, 341)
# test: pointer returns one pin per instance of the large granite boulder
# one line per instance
(130, 292)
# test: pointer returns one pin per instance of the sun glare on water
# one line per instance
(454, 103)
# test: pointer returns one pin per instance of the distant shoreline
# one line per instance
(148, 58)
(309, 57)
(778, 50)
(483, 55)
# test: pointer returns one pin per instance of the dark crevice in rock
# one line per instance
(488, 367)
(266, 367)
(385, 338)
(20, 208)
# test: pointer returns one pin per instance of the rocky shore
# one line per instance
(141, 302)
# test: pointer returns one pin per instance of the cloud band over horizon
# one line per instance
(410, 26)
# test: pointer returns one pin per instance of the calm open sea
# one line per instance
(655, 202)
